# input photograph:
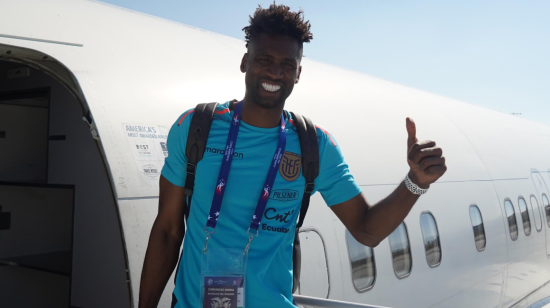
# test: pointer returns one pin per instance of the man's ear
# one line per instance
(243, 63)
(298, 76)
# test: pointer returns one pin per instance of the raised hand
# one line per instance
(425, 158)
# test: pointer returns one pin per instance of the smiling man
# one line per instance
(224, 203)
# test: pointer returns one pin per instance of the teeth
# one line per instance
(270, 87)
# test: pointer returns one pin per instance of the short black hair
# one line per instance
(278, 19)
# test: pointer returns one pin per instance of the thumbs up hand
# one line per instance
(425, 158)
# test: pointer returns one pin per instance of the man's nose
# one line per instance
(275, 71)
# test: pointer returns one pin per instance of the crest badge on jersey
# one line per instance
(291, 166)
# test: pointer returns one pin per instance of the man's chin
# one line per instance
(269, 103)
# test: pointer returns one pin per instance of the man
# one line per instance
(275, 39)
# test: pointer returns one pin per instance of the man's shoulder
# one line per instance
(184, 120)
(322, 134)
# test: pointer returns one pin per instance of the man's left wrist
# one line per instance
(415, 180)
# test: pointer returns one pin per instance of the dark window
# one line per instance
(525, 216)
(401, 251)
(546, 205)
(430, 234)
(477, 225)
(511, 217)
(363, 267)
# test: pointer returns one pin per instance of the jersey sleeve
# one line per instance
(334, 182)
(175, 163)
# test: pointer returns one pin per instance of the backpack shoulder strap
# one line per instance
(198, 132)
(309, 145)
(197, 137)
(196, 144)
(194, 151)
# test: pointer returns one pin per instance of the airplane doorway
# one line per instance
(314, 275)
(60, 236)
(36, 228)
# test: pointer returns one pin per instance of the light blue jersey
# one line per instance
(269, 272)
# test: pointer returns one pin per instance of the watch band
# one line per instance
(415, 189)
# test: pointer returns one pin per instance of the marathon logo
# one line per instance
(222, 152)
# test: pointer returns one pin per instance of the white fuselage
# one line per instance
(130, 69)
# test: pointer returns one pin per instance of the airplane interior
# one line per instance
(58, 208)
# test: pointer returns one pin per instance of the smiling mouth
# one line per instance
(270, 87)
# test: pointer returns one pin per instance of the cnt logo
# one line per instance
(271, 214)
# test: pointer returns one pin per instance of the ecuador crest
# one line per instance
(291, 166)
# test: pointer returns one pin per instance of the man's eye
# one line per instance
(290, 65)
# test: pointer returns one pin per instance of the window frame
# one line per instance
(482, 223)
(423, 240)
(515, 219)
(539, 208)
(520, 197)
(410, 251)
(314, 230)
(351, 266)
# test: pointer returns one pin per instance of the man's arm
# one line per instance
(370, 224)
(164, 244)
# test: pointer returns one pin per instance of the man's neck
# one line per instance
(255, 115)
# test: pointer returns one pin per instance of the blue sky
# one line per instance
(489, 53)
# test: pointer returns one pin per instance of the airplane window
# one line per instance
(546, 208)
(401, 251)
(511, 217)
(535, 202)
(525, 216)
(431, 239)
(535, 209)
(479, 230)
(363, 267)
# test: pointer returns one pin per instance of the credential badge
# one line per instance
(291, 166)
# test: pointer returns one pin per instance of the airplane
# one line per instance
(88, 92)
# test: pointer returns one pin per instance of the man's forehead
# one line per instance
(274, 44)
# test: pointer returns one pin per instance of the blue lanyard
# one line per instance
(224, 173)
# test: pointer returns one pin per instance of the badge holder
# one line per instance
(223, 272)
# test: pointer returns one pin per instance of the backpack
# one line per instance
(194, 151)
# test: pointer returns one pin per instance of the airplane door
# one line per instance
(543, 206)
(314, 276)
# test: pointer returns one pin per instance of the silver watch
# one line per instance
(415, 189)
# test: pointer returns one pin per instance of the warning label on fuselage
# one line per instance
(148, 146)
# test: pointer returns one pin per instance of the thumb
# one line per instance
(411, 130)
